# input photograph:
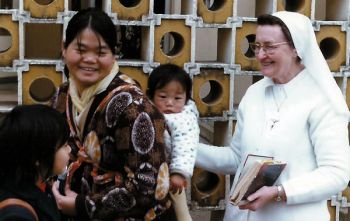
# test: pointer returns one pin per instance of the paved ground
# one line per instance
(200, 215)
(203, 215)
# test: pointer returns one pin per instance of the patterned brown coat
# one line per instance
(119, 166)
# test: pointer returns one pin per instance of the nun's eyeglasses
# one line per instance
(268, 48)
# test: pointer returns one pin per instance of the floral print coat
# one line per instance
(119, 165)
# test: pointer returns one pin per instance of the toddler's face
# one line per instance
(171, 98)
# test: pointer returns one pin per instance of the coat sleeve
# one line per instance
(184, 131)
(223, 160)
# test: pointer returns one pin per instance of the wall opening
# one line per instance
(42, 89)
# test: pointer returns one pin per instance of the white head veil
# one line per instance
(305, 43)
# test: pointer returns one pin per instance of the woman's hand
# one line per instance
(65, 203)
(262, 197)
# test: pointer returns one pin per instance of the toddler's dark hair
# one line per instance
(164, 74)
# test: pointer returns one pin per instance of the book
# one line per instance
(258, 171)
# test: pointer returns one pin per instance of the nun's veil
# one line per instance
(311, 56)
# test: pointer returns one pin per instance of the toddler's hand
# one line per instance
(177, 183)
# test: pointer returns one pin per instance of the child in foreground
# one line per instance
(33, 149)
(169, 87)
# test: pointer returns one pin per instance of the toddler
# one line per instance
(169, 87)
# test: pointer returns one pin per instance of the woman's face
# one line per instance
(279, 64)
(61, 159)
(88, 58)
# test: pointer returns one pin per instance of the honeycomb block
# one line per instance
(48, 36)
(336, 10)
(180, 52)
(8, 90)
(134, 12)
(44, 10)
(137, 75)
(12, 53)
(332, 209)
(244, 56)
(303, 7)
(39, 84)
(347, 92)
(332, 41)
(217, 13)
(218, 87)
(207, 189)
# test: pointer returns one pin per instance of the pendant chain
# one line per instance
(275, 120)
(278, 104)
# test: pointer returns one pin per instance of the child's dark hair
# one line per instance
(164, 74)
(30, 135)
(96, 20)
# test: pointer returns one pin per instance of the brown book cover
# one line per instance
(258, 171)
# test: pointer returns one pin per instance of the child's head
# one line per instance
(33, 144)
(169, 87)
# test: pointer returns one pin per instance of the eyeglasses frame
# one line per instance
(263, 46)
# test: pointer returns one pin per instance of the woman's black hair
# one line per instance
(30, 135)
(268, 19)
(166, 73)
(96, 20)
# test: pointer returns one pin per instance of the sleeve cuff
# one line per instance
(81, 207)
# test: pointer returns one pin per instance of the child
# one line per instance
(169, 87)
(33, 148)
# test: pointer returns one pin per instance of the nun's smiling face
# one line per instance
(276, 56)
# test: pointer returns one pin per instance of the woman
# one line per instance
(119, 168)
(296, 114)
(33, 148)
